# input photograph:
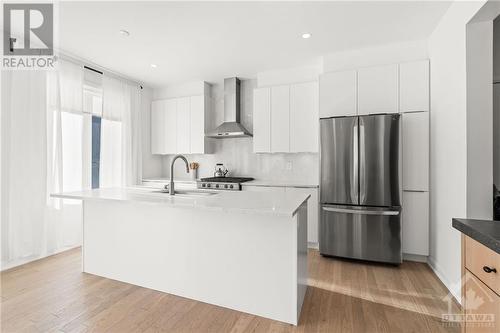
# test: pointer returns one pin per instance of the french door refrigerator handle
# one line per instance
(355, 165)
(361, 212)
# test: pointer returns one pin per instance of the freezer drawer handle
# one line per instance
(361, 212)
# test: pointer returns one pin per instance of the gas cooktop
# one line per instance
(223, 183)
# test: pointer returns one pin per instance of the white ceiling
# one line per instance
(212, 40)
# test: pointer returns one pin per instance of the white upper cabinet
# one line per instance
(378, 89)
(183, 125)
(197, 125)
(178, 126)
(280, 119)
(337, 95)
(262, 120)
(304, 117)
(414, 86)
(285, 118)
(416, 151)
(157, 124)
(170, 126)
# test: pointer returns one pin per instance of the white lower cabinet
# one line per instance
(415, 218)
(312, 206)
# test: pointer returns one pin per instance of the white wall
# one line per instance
(447, 52)
(496, 103)
(376, 55)
(480, 120)
(151, 164)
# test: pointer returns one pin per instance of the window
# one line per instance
(92, 105)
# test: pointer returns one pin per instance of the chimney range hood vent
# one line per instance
(231, 127)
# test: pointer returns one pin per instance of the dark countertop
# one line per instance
(483, 231)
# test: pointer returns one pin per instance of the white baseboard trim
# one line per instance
(312, 245)
(439, 273)
(415, 257)
(19, 262)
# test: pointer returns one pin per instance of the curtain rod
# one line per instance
(94, 67)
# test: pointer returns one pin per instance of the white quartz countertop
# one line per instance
(279, 204)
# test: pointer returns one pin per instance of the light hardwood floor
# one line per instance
(53, 295)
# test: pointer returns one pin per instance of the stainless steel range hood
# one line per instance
(231, 127)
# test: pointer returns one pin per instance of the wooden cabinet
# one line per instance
(262, 120)
(378, 89)
(304, 120)
(286, 118)
(415, 137)
(481, 306)
(338, 94)
(280, 119)
(415, 217)
(477, 257)
(414, 86)
(178, 125)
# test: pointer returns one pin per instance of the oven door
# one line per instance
(367, 233)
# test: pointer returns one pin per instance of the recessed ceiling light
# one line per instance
(306, 35)
(124, 33)
(153, 66)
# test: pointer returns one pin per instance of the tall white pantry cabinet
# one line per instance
(395, 88)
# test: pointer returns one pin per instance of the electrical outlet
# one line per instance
(289, 165)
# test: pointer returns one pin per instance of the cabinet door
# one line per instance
(416, 223)
(416, 151)
(262, 120)
(170, 126)
(157, 127)
(304, 120)
(378, 89)
(312, 212)
(481, 301)
(337, 94)
(197, 124)
(280, 119)
(414, 86)
(183, 125)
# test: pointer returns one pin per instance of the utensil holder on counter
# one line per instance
(194, 174)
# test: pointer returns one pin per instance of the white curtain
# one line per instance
(121, 156)
(44, 150)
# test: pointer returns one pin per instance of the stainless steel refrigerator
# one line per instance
(360, 188)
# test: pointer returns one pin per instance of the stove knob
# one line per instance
(208, 185)
(231, 186)
(225, 186)
(203, 185)
(217, 186)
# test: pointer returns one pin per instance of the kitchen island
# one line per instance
(245, 251)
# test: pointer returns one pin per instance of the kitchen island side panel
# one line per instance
(240, 261)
